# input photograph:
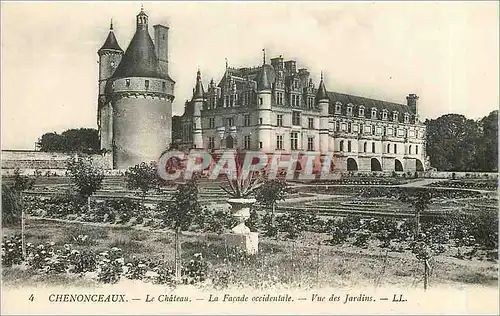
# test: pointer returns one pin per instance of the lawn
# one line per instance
(280, 262)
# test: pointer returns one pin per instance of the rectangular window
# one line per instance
(230, 122)
(279, 98)
(279, 120)
(416, 149)
(310, 122)
(246, 120)
(373, 147)
(296, 118)
(337, 126)
(211, 122)
(247, 142)
(349, 146)
(211, 142)
(127, 82)
(294, 140)
(146, 84)
(395, 148)
(279, 142)
(310, 143)
(349, 127)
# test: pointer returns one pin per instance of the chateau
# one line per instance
(277, 107)
(134, 113)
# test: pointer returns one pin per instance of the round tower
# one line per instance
(264, 126)
(110, 55)
(323, 102)
(142, 93)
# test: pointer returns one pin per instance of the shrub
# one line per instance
(110, 266)
(136, 269)
(11, 208)
(11, 251)
(195, 271)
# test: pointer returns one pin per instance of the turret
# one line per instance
(198, 100)
(264, 107)
(323, 103)
(110, 55)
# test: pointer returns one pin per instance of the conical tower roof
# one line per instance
(198, 91)
(111, 43)
(321, 94)
(140, 59)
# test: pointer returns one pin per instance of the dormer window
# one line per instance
(338, 107)
(384, 114)
(395, 116)
(361, 111)
(407, 117)
(374, 113)
(349, 109)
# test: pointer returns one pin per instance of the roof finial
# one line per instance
(111, 25)
(264, 56)
(226, 64)
(142, 7)
(321, 74)
(198, 74)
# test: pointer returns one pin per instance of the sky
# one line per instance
(445, 52)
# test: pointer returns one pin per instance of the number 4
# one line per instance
(31, 297)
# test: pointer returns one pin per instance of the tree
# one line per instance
(419, 199)
(142, 177)
(21, 184)
(452, 142)
(488, 145)
(82, 140)
(270, 193)
(179, 214)
(85, 175)
(10, 206)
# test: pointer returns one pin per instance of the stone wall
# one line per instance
(29, 162)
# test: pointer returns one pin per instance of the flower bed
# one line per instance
(467, 184)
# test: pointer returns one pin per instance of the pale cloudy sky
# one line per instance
(447, 53)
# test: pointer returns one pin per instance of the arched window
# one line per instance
(341, 145)
(349, 146)
(364, 147)
(373, 147)
(409, 150)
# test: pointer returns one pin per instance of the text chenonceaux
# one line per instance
(241, 165)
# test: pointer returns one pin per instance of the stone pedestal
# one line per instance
(248, 242)
(240, 235)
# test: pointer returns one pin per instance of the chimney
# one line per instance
(161, 47)
(411, 101)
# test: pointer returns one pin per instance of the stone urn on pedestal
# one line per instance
(239, 189)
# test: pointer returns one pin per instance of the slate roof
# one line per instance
(140, 58)
(111, 43)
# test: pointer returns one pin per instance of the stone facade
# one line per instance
(276, 107)
(135, 96)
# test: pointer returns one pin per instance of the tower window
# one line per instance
(260, 120)
(260, 101)
(247, 142)
(146, 84)
(279, 120)
(294, 140)
(164, 85)
(416, 149)
(310, 143)
(246, 120)
(279, 142)
(127, 83)
(310, 121)
(260, 145)
(296, 118)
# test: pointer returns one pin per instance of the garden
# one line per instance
(72, 237)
